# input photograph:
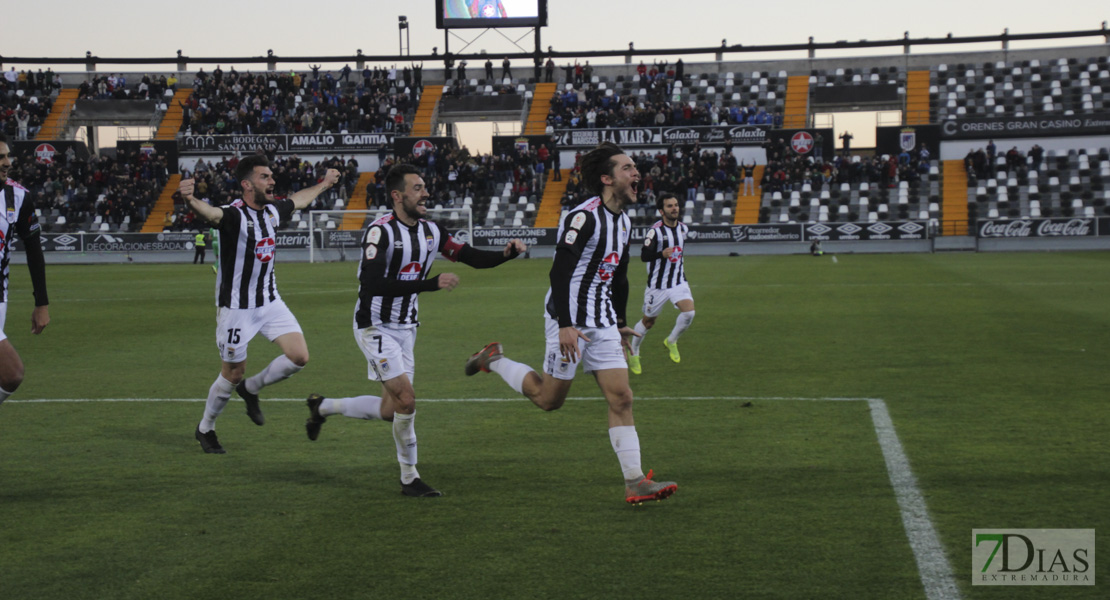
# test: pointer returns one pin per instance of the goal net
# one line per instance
(336, 235)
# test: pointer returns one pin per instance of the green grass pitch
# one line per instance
(993, 367)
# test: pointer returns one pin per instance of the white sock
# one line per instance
(359, 407)
(218, 396)
(512, 372)
(636, 341)
(627, 446)
(279, 369)
(404, 436)
(4, 394)
(682, 323)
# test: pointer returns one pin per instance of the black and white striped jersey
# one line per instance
(589, 276)
(248, 248)
(394, 269)
(17, 212)
(664, 273)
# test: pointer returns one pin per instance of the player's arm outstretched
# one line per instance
(206, 211)
(305, 197)
(481, 259)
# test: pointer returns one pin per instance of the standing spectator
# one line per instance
(506, 72)
(489, 69)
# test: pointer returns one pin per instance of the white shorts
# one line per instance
(388, 351)
(654, 299)
(3, 318)
(235, 327)
(603, 351)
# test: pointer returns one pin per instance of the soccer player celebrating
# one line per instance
(19, 211)
(246, 292)
(585, 320)
(397, 252)
(662, 251)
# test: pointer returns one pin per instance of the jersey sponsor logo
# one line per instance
(264, 249)
(608, 266)
(802, 142)
(410, 272)
(578, 221)
(375, 235)
(676, 254)
(570, 237)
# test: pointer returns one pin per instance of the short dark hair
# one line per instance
(598, 162)
(395, 179)
(245, 168)
(661, 198)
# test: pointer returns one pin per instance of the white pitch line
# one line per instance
(932, 564)
(516, 399)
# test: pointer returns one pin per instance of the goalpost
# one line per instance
(329, 242)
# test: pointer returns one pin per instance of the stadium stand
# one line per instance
(106, 194)
(512, 191)
(1071, 184)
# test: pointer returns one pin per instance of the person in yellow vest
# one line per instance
(199, 245)
(214, 236)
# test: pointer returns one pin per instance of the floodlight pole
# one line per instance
(403, 36)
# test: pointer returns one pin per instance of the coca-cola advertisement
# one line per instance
(1029, 228)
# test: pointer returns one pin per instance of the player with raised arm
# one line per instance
(585, 314)
(397, 252)
(18, 210)
(666, 282)
(246, 291)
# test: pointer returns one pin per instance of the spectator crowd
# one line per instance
(25, 100)
(382, 100)
(117, 189)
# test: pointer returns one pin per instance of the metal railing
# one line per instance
(57, 131)
(273, 61)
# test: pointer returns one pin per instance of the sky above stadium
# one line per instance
(207, 28)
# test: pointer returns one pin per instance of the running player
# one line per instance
(585, 320)
(18, 210)
(662, 251)
(246, 292)
(397, 252)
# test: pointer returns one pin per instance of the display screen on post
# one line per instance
(457, 14)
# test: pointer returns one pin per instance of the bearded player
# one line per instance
(666, 282)
(246, 291)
